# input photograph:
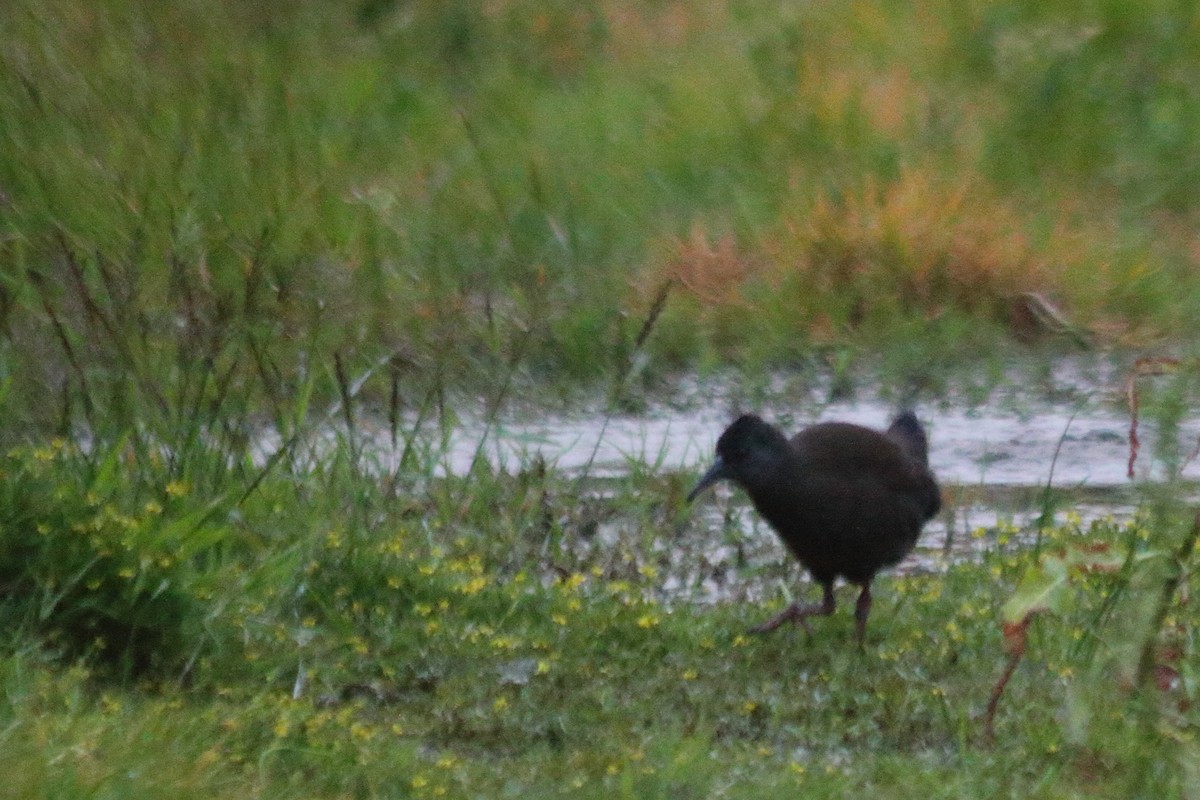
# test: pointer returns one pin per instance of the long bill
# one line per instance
(715, 473)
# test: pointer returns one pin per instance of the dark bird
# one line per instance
(846, 500)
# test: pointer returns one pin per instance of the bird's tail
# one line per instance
(907, 432)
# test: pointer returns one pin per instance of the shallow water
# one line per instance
(1074, 433)
(1066, 445)
(995, 461)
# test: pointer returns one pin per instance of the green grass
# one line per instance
(322, 637)
(223, 224)
(188, 184)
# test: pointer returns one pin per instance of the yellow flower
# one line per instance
(474, 586)
(176, 488)
(420, 782)
(282, 727)
(749, 707)
(647, 621)
(690, 674)
(500, 704)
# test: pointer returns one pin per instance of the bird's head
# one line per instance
(748, 451)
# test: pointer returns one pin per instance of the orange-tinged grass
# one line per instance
(889, 100)
(921, 243)
(638, 29)
(711, 271)
(930, 243)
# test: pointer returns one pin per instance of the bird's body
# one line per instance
(846, 500)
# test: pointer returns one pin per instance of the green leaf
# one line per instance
(1042, 589)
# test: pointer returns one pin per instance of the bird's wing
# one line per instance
(865, 462)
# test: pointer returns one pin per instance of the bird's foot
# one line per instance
(793, 613)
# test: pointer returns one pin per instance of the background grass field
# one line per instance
(218, 217)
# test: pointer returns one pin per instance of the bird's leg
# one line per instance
(798, 613)
(861, 609)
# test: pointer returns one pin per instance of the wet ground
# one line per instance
(1003, 473)
(1032, 454)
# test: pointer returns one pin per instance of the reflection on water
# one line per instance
(1067, 446)
(1073, 433)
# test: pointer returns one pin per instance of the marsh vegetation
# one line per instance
(279, 282)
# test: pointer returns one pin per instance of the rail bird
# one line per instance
(846, 500)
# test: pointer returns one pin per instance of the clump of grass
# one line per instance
(917, 243)
(95, 568)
